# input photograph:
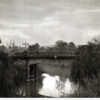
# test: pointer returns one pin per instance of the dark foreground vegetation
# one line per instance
(11, 75)
(84, 71)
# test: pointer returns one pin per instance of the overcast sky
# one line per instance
(46, 21)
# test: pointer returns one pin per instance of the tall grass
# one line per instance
(11, 75)
(91, 88)
(88, 64)
(85, 70)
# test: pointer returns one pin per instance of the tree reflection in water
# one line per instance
(30, 89)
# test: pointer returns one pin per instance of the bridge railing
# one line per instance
(43, 54)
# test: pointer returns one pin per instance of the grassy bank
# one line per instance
(61, 69)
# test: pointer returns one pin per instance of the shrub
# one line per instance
(88, 63)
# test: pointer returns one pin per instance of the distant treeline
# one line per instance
(59, 46)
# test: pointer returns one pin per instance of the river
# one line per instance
(47, 86)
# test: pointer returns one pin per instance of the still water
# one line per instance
(47, 86)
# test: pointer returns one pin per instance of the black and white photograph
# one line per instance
(49, 48)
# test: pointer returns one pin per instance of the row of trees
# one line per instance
(59, 46)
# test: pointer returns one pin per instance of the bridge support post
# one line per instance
(33, 71)
(27, 70)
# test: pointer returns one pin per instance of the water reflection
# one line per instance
(30, 89)
(54, 87)
(50, 86)
(47, 85)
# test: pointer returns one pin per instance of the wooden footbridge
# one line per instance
(43, 55)
(33, 58)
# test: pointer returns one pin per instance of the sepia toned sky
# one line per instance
(46, 21)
